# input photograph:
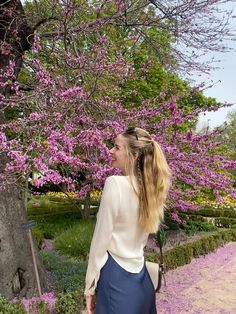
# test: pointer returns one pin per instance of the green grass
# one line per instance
(192, 227)
(61, 221)
(45, 205)
(75, 241)
(52, 217)
(52, 226)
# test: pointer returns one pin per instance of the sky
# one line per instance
(224, 89)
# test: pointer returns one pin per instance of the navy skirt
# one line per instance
(121, 292)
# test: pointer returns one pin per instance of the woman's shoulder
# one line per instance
(117, 178)
(121, 181)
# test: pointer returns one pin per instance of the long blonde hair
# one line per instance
(146, 161)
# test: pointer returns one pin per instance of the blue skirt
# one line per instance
(121, 292)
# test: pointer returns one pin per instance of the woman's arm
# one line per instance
(106, 216)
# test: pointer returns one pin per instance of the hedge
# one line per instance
(211, 212)
(222, 222)
(183, 254)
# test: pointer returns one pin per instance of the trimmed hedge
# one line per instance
(221, 222)
(224, 222)
(211, 212)
(183, 254)
(54, 216)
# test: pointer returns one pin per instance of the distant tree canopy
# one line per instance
(230, 131)
(229, 137)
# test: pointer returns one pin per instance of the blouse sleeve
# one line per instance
(107, 213)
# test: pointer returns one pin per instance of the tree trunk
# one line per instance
(87, 203)
(17, 278)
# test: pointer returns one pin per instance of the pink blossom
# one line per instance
(35, 116)
(48, 298)
(72, 92)
(175, 217)
(36, 43)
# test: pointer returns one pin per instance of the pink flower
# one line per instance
(48, 298)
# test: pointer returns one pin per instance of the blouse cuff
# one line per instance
(91, 287)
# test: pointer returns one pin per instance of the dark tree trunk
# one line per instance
(17, 277)
(15, 34)
(87, 203)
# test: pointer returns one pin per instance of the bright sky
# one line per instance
(225, 78)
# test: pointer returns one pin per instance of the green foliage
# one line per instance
(192, 227)
(75, 241)
(228, 137)
(152, 79)
(40, 307)
(46, 205)
(195, 223)
(70, 303)
(10, 308)
(152, 57)
(68, 274)
(170, 224)
(38, 236)
(211, 212)
(53, 216)
(24, 75)
(163, 237)
(66, 304)
(230, 131)
(224, 222)
(180, 255)
(53, 225)
(187, 217)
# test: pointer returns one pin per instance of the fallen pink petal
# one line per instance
(206, 285)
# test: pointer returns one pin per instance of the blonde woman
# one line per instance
(132, 206)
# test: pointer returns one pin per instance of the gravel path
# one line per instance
(206, 285)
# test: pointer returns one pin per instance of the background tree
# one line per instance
(229, 137)
(230, 131)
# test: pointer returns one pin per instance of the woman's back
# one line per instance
(128, 238)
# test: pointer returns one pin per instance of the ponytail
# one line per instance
(153, 176)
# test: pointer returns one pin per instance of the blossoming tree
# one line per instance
(63, 103)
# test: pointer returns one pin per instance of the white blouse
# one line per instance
(117, 230)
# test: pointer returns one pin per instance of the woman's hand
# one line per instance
(91, 304)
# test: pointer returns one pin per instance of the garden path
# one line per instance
(205, 286)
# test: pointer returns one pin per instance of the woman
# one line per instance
(117, 281)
